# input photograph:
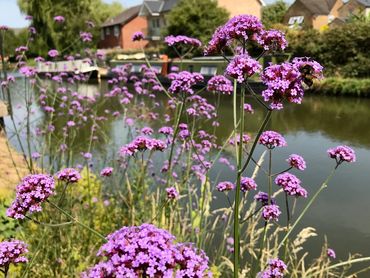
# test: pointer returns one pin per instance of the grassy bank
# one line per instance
(343, 87)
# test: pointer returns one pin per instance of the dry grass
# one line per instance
(9, 174)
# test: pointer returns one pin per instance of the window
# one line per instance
(107, 31)
(102, 34)
(296, 20)
(156, 23)
(136, 68)
(208, 71)
(116, 30)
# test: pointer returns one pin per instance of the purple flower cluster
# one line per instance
(271, 212)
(86, 36)
(11, 252)
(69, 175)
(138, 36)
(166, 130)
(59, 19)
(272, 139)
(342, 153)
(106, 172)
(263, 198)
(221, 84)
(240, 27)
(331, 253)
(148, 251)
(283, 83)
(184, 81)
(172, 193)
(173, 40)
(297, 161)
(248, 108)
(142, 144)
(225, 186)
(31, 192)
(53, 53)
(291, 185)
(246, 139)
(272, 40)
(247, 184)
(242, 67)
(275, 269)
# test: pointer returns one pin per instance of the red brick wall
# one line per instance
(137, 24)
(110, 41)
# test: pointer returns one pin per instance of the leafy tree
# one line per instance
(196, 18)
(65, 37)
(274, 13)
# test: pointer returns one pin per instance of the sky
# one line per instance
(11, 16)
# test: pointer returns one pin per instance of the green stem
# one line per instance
(322, 187)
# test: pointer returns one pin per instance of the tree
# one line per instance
(196, 18)
(274, 13)
(65, 37)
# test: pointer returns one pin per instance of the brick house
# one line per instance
(117, 32)
(315, 14)
(354, 7)
(155, 11)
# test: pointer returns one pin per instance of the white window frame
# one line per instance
(116, 30)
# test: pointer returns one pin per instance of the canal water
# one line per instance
(342, 211)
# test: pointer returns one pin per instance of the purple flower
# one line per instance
(142, 144)
(342, 153)
(86, 156)
(166, 130)
(225, 186)
(174, 40)
(53, 53)
(69, 175)
(331, 253)
(247, 184)
(86, 36)
(272, 139)
(138, 36)
(308, 66)
(184, 81)
(263, 198)
(242, 67)
(31, 192)
(271, 212)
(220, 84)
(297, 161)
(147, 250)
(106, 172)
(248, 108)
(275, 269)
(246, 139)
(59, 19)
(147, 131)
(35, 155)
(12, 252)
(272, 40)
(291, 185)
(172, 193)
(283, 83)
(28, 71)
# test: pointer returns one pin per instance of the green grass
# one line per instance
(343, 87)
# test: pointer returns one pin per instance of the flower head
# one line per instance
(247, 184)
(106, 172)
(31, 192)
(172, 193)
(272, 40)
(86, 36)
(308, 66)
(53, 53)
(142, 144)
(263, 198)
(291, 185)
(272, 139)
(271, 212)
(342, 153)
(174, 40)
(225, 186)
(184, 81)
(220, 84)
(59, 19)
(138, 36)
(145, 249)
(297, 161)
(331, 253)
(69, 175)
(275, 269)
(12, 252)
(242, 67)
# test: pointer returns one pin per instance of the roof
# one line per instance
(319, 6)
(123, 17)
(366, 3)
(159, 6)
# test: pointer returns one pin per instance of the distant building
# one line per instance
(313, 13)
(237, 7)
(117, 32)
(156, 10)
(355, 8)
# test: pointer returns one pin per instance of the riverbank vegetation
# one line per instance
(337, 86)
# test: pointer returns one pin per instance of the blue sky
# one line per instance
(11, 16)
